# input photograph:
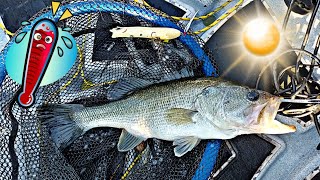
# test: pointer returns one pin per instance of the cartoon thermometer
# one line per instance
(42, 42)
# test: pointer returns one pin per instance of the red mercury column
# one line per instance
(43, 41)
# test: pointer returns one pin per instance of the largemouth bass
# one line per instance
(181, 111)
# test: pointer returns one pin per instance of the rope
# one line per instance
(6, 30)
(86, 83)
(186, 18)
(205, 16)
(142, 2)
(125, 175)
(222, 17)
(63, 87)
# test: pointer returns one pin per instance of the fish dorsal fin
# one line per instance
(126, 86)
(128, 141)
(181, 116)
(184, 145)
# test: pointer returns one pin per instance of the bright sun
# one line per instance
(261, 37)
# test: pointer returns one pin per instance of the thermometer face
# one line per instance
(38, 57)
(42, 42)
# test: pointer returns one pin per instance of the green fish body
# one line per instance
(180, 111)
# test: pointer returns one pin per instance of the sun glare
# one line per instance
(261, 37)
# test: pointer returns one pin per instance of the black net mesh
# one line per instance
(27, 151)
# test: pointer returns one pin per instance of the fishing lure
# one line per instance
(162, 33)
(50, 53)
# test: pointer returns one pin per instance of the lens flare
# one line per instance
(261, 37)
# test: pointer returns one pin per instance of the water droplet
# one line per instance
(67, 42)
(67, 29)
(60, 51)
(24, 23)
(20, 37)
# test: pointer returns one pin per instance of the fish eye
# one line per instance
(48, 39)
(37, 36)
(253, 95)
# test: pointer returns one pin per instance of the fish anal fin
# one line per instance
(184, 145)
(128, 141)
(181, 116)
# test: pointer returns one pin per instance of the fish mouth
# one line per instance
(269, 110)
(41, 46)
(266, 119)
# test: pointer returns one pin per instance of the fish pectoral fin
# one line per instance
(184, 145)
(181, 116)
(128, 141)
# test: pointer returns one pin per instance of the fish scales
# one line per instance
(180, 111)
(144, 112)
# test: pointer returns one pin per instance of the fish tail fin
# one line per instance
(63, 127)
